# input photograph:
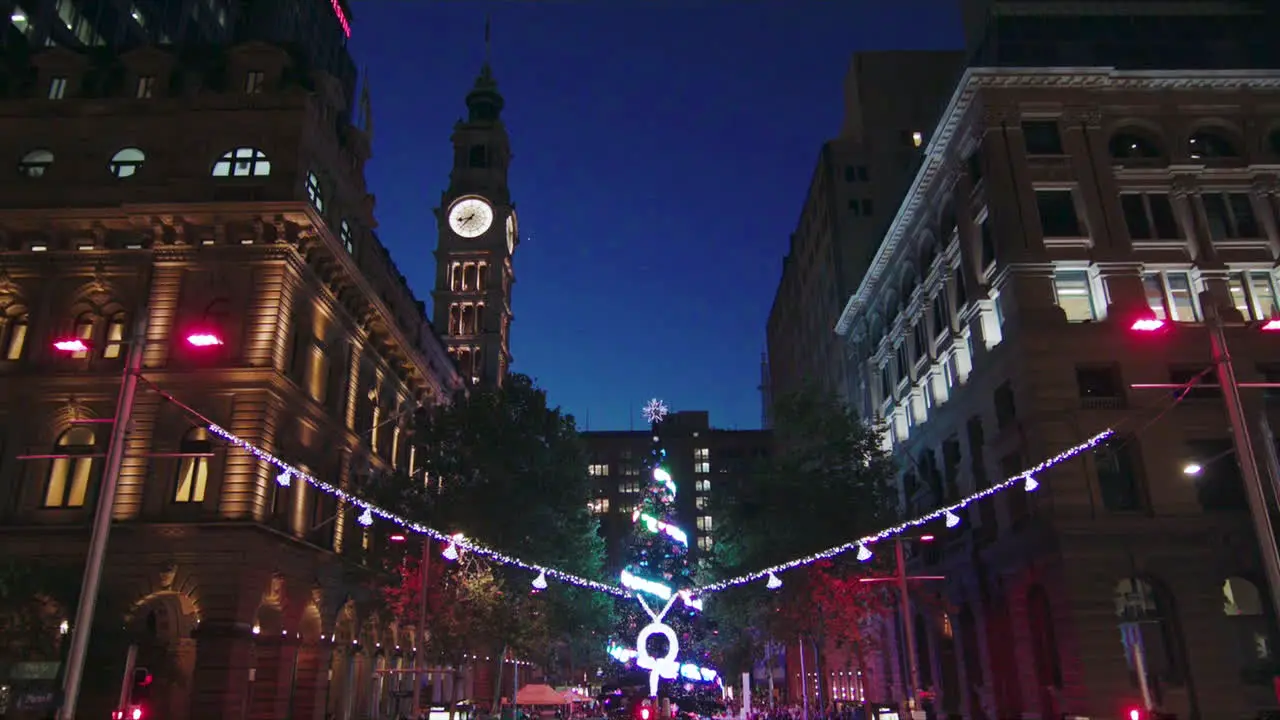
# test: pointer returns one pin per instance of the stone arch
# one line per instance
(1139, 138)
(311, 621)
(64, 417)
(1214, 138)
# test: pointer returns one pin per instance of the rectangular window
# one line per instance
(705, 543)
(146, 87)
(702, 467)
(941, 316)
(598, 470)
(1058, 216)
(1075, 295)
(922, 343)
(700, 502)
(1149, 216)
(1097, 383)
(904, 368)
(598, 506)
(193, 478)
(988, 245)
(1042, 137)
(1262, 288)
(1118, 475)
(1230, 216)
(255, 82)
(57, 88)
(704, 523)
(1006, 408)
(702, 454)
(1170, 296)
(703, 485)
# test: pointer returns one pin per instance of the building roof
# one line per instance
(945, 138)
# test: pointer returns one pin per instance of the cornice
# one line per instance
(962, 104)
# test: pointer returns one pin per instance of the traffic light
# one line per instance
(141, 692)
(1135, 714)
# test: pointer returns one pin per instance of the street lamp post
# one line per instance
(1241, 439)
(101, 530)
(102, 521)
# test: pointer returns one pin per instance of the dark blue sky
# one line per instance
(662, 152)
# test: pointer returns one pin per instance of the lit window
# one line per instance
(35, 163)
(348, 241)
(115, 337)
(255, 82)
(16, 337)
(700, 502)
(313, 192)
(917, 139)
(629, 487)
(146, 87)
(84, 331)
(57, 88)
(1075, 295)
(241, 162)
(1170, 296)
(126, 162)
(598, 470)
(598, 506)
(1254, 294)
(702, 467)
(704, 523)
(193, 471)
(702, 486)
(317, 372)
(69, 476)
(705, 543)
(702, 454)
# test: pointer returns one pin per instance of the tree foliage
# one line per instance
(827, 482)
(509, 472)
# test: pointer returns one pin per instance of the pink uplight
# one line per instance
(1272, 325)
(74, 345)
(203, 339)
(1147, 325)
(342, 17)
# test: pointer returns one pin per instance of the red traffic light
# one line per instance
(1135, 713)
(644, 713)
(136, 714)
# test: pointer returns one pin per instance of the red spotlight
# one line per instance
(396, 538)
(203, 339)
(926, 538)
(71, 345)
(1147, 324)
(1272, 325)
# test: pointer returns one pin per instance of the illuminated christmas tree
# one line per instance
(659, 634)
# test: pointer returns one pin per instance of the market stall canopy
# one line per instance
(539, 695)
(573, 696)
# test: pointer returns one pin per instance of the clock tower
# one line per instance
(478, 237)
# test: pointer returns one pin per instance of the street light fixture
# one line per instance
(106, 500)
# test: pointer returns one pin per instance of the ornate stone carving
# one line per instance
(274, 594)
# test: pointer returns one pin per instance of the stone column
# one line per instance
(311, 680)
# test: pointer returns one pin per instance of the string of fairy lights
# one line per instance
(457, 542)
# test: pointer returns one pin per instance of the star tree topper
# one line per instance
(655, 411)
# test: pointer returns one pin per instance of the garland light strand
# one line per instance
(1026, 478)
(369, 511)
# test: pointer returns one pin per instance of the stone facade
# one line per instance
(1053, 209)
(239, 209)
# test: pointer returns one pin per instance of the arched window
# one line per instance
(193, 471)
(69, 475)
(313, 192)
(1243, 607)
(84, 331)
(1146, 611)
(126, 162)
(1210, 143)
(1130, 144)
(15, 336)
(35, 163)
(114, 345)
(242, 162)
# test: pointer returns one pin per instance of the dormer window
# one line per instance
(146, 87)
(57, 88)
(241, 162)
(255, 82)
(127, 162)
(313, 192)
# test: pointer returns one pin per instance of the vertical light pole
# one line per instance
(101, 531)
(419, 655)
(102, 519)
(1241, 440)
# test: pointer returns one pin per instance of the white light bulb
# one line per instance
(774, 583)
(540, 582)
(863, 553)
(285, 478)
(952, 519)
(1031, 484)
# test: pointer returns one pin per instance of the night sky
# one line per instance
(663, 149)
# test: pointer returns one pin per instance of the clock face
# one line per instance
(511, 234)
(470, 217)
